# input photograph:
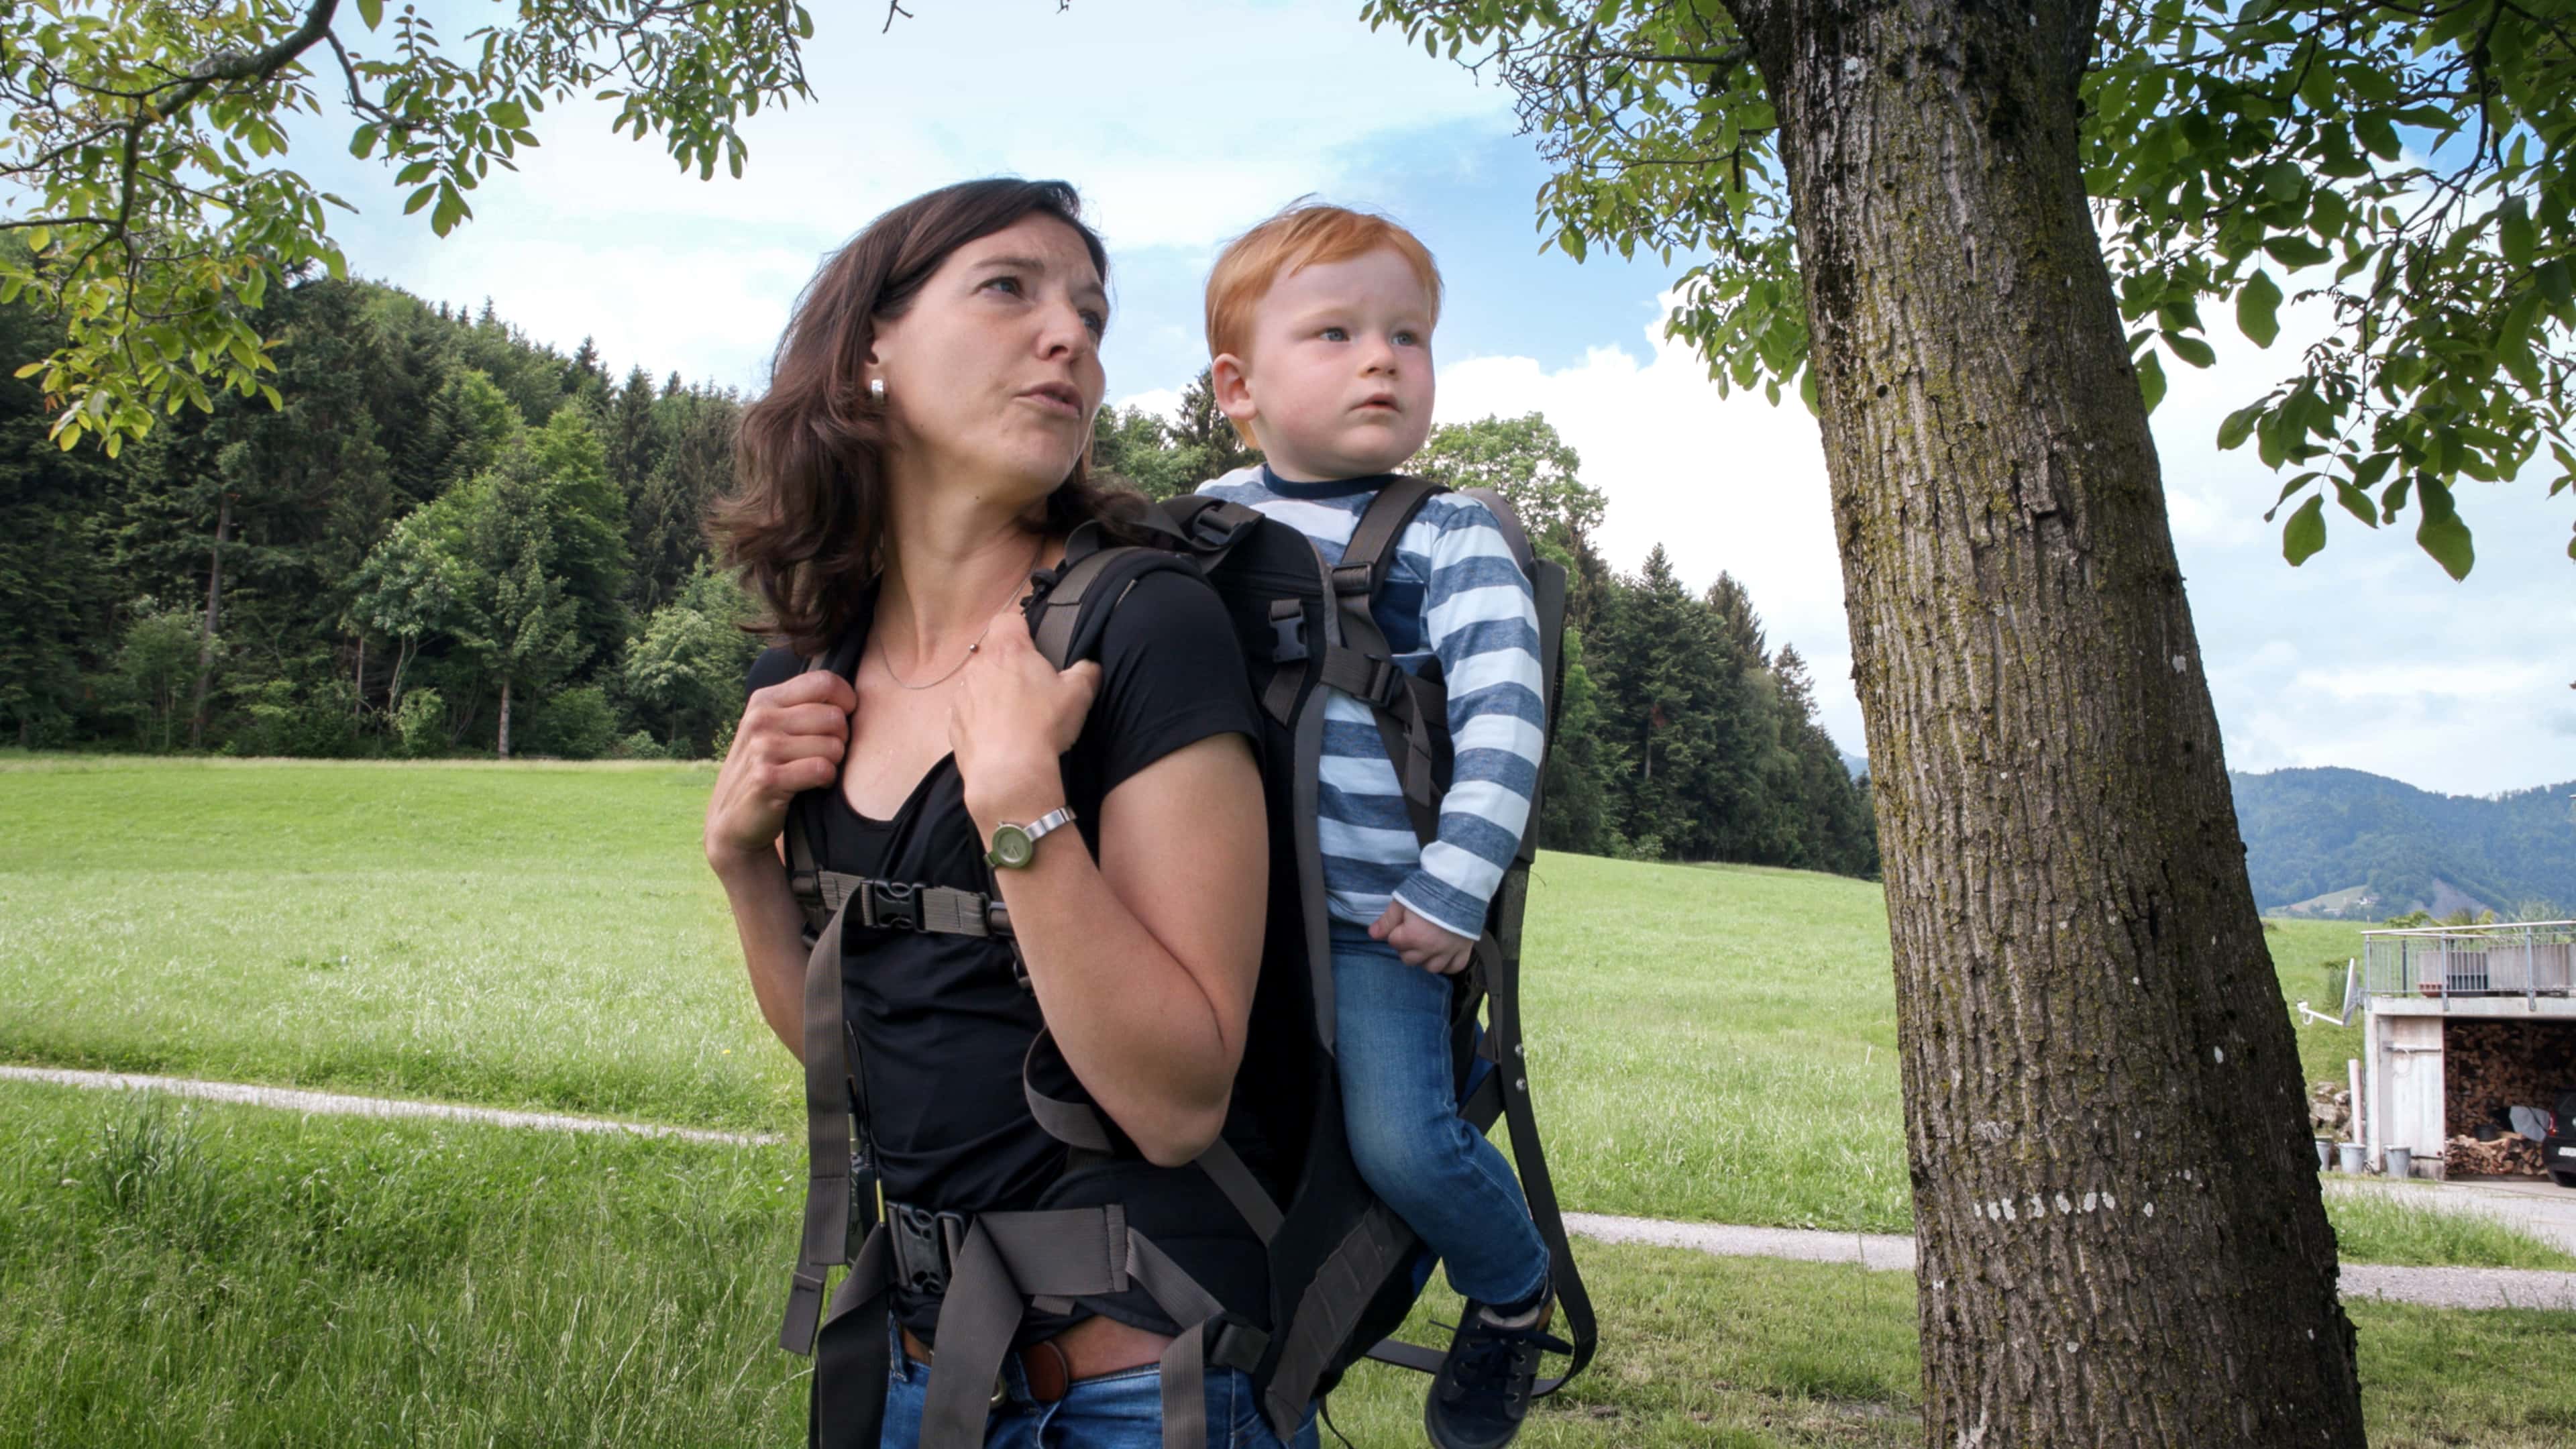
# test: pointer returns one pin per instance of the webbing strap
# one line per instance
(1330, 1308)
(1007, 1258)
(1075, 1124)
(1405, 715)
(829, 1161)
(1225, 1167)
(977, 1317)
(1061, 610)
(905, 906)
(846, 1407)
(1373, 538)
(1529, 1155)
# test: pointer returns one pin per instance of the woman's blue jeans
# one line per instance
(1114, 1411)
(1450, 1185)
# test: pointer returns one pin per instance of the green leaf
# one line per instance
(2514, 231)
(2442, 534)
(420, 198)
(2151, 380)
(2291, 249)
(2258, 304)
(2239, 426)
(372, 12)
(508, 114)
(2305, 533)
(2191, 349)
(2551, 275)
(362, 142)
(2356, 503)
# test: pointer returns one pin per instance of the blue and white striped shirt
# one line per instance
(1456, 602)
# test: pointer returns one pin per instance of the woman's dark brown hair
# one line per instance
(806, 516)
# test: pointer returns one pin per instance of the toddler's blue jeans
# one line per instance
(1451, 1186)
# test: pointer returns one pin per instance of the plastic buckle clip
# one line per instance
(920, 1249)
(893, 906)
(1288, 625)
(1386, 682)
(1213, 533)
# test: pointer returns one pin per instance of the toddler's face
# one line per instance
(1339, 381)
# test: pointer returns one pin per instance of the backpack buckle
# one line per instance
(1386, 682)
(924, 1244)
(1214, 529)
(1288, 625)
(1354, 579)
(892, 905)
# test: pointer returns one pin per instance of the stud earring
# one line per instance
(876, 389)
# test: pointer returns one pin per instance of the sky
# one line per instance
(1184, 123)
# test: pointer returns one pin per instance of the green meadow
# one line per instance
(1707, 1042)
(213, 1275)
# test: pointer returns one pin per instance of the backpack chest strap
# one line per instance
(891, 905)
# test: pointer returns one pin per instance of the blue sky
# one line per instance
(1183, 123)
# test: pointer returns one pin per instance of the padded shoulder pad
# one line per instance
(1068, 618)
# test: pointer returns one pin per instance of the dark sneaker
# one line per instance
(1483, 1390)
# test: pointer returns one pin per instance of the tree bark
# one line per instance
(505, 716)
(214, 621)
(2115, 1196)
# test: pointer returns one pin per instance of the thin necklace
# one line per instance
(953, 670)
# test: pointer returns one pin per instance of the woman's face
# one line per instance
(994, 371)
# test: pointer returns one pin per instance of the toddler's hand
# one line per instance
(1417, 942)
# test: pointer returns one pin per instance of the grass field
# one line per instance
(1708, 1042)
(1714, 1043)
(236, 1276)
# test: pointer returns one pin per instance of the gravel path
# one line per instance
(2432, 1287)
(336, 1104)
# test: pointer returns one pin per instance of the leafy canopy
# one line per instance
(2403, 168)
(145, 146)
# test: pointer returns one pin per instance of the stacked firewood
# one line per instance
(2489, 1067)
(2511, 1154)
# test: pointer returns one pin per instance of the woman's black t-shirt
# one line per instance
(942, 1024)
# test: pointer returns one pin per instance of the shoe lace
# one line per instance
(1491, 1354)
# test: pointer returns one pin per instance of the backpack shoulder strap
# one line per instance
(1412, 713)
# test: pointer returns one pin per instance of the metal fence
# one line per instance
(2514, 958)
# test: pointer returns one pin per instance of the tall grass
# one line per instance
(220, 1276)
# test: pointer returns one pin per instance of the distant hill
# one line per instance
(2351, 845)
(1855, 765)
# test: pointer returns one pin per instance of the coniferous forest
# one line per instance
(452, 540)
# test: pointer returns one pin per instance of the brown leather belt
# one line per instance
(1093, 1348)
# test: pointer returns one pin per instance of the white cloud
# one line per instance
(1724, 484)
(1170, 115)
(2368, 656)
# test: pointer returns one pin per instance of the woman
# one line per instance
(918, 456)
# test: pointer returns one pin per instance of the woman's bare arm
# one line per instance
(1145, 961)
(791, 738)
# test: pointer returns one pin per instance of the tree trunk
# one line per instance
(214, 621)
(505, 716)
(2115, 1194)
(361, 682)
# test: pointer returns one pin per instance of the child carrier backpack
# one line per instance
(1344, 1270)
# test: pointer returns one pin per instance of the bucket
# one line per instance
(2401, 1162)
(2325, 1154)
(2350, 1155)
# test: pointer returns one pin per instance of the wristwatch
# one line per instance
(1014, 846)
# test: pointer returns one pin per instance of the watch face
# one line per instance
(1012, 847)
